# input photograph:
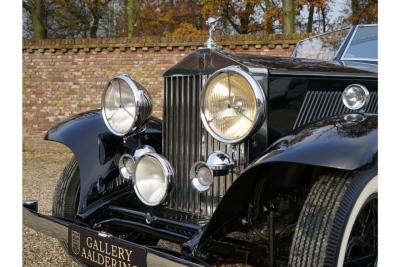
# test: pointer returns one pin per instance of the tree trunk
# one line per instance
(94, 27)
(132, 13)
(37, 11)
(323, 11)
(245, 19)
(289, 14)
(310, 21)
(355, 9)
(371, 18)
(267, 20)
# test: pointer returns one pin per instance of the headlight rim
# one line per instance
(168, 175)
(140, 94)
(261, 104)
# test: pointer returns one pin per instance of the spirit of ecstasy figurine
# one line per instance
(211, 23)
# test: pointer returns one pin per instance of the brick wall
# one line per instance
(65, 77)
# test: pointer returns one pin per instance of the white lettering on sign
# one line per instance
(105, 254)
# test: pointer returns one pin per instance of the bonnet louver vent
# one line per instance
(323, 104)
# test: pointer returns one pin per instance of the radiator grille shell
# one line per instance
(185, 142)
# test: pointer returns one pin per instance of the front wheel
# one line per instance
(66, 195)
(338, 225)
(66, 201)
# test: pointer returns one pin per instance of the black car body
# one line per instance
(249, 214)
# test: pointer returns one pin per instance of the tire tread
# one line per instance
(316, 219)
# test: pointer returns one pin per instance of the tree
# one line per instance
(162, 17)
(186, 29)
(113, 18)
(363, 11)
(239, 14)
(272, 14)
(315, 7)
(133, 8)
(37, 11)
(310, 20)
(96, 9)
(289, 16)
(323, 13)
(78, 18)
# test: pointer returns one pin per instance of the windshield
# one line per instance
(363, 44)
(324, 46)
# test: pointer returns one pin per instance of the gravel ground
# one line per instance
(40, 175)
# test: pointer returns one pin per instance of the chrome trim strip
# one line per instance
(344, 41)
(359, 59)
(326, 74)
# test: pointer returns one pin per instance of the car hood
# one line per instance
(206, 61)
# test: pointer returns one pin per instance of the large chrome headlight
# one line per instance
(125, 105)
(232, 105)
(152, 175)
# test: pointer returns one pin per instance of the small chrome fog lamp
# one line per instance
(125, 165)
(355, 96)
(152, 175)
(220, 163)
(201, 176)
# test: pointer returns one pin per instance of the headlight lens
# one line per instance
(125, 105)
(355, 96)
(232, 105)
(152, 176)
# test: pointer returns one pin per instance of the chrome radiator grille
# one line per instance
(322, 104)
(185, 142)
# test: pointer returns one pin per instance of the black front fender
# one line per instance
(97, 150)
(331, 143)
(336, 142)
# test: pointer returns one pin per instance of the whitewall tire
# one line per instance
(338, 222)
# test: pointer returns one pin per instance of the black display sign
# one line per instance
(97, 250)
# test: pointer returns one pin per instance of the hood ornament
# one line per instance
(211, 23)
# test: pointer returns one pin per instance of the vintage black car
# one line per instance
(267, 161)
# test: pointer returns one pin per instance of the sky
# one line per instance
(337, 9)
